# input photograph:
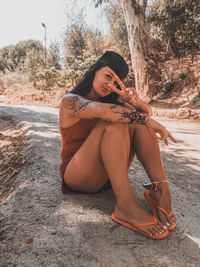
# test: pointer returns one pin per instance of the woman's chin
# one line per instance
(105, 93)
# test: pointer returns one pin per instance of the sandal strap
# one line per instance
(160, 208)
(164, 211)
(148, 223)
(155, 184)
(170, 214)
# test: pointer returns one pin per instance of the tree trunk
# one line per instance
(134, 15)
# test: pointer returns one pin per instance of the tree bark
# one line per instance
(134, 15)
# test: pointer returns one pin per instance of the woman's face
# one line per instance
(102, 79)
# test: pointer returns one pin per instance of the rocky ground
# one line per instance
(164, 109)
(42, 227)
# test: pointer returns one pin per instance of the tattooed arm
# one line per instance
(75, 106)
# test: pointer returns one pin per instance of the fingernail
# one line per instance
(150, 234)
(165, 227)
(156, 233)
(160, 233)
(168, 224)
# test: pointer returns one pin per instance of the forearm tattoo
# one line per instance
(133, 116)
(75, 104)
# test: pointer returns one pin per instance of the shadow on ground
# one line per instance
(76, 230)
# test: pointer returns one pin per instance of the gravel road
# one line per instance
(42, 227)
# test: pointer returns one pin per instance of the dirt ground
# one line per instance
(42, 227)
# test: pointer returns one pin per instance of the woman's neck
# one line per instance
(92, 95)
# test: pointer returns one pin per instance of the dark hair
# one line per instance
(85, 85)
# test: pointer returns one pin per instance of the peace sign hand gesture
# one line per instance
(131, 97)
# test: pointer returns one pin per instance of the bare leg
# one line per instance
(106, 151)
(148, 153)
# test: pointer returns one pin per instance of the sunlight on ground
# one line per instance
(195, 239)
(80, 214)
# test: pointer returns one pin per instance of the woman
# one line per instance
(100, 137)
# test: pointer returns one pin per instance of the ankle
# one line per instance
(161, 190)
(160, 186)
(126, 204)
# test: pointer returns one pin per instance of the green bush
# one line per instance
(12, 57)
(176, 24)
(82, 47)
(52, 77)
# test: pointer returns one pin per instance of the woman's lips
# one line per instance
(106, 90)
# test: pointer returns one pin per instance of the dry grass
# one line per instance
(19, 91)
(12, 143)
(10, 79)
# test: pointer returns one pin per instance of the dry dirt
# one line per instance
(42, 227)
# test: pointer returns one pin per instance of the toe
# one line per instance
(149, 232)
(157, 230)
(162, 217)
(172, 220)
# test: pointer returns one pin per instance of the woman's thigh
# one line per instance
(86, 171)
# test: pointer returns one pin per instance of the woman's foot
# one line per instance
(162, 198)
(134, 215)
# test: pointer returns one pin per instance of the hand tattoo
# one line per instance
(133, 116)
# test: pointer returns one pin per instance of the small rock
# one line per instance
(29, 241)
(53, 233)
(193, 113)
(183, 113)
(196, 117)
(171, 114)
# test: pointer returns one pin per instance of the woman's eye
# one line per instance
(108, 76)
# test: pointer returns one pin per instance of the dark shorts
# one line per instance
(67, 190)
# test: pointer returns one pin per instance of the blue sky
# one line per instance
(21, 19)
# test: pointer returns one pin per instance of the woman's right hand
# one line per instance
(158, 131)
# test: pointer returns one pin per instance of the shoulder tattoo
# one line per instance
(75, 104)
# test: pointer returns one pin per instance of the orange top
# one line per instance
(72, 139)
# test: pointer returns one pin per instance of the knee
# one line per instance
(116, 127)
(137, 128)
(113, 127)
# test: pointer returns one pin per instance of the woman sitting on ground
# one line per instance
(102, 130)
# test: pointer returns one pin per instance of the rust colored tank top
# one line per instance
(72, 139)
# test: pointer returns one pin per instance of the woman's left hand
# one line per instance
(159, 132)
